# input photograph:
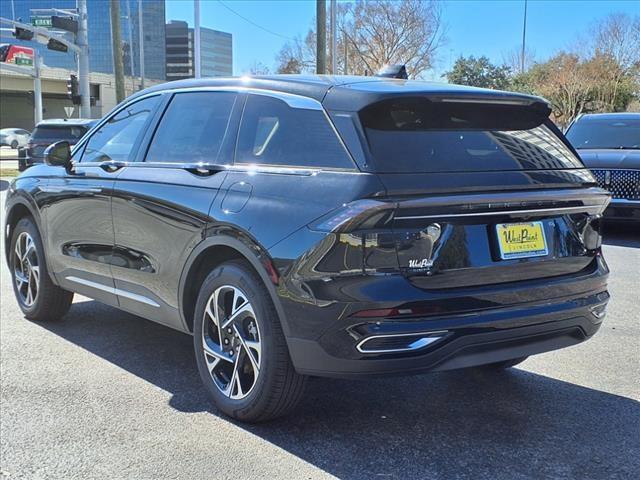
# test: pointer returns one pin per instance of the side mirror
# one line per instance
(58, 154)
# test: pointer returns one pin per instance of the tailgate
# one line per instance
(448, 241)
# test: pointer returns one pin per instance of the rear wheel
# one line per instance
(14, 144)
(240, 348)
(38, 298)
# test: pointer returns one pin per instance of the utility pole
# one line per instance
(83, 60)
(116, 47)
(334, 40)
(321, 37)
(524, 35)
(141, 43)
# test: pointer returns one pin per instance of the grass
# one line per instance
(9, 172)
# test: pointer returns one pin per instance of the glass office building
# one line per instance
(216, 57)
(99, 26)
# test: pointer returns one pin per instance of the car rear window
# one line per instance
(420, 136)
(54, 133)
(605, 133)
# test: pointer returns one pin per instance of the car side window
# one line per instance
(193, 128)
(116, 138)
(273, 133)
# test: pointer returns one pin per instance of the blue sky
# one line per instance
(477, 27)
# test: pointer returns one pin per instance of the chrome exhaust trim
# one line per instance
(421, 340)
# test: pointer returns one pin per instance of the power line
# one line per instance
(254, 23)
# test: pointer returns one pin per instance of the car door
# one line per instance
(161, 202)
(287, 155)
(80, 236)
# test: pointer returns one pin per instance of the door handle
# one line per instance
(112, 166)
(204, 170)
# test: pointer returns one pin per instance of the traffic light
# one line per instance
(64, 23)
(22, 34)
(54, 44)
(72, 89)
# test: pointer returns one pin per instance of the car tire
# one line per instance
(266, 385)
(504, 364)
(14, 144)
(39, 299)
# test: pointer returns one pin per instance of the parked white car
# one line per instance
(14, 137)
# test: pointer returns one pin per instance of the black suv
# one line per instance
(329, 226)
(48, 132)
(609, 145)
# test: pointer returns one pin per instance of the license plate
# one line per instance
(521, 240)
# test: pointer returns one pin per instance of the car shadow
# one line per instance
(622, 234)
(4, 185)
(515, 423)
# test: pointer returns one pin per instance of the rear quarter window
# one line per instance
(418, 136)
(273, 133)
(54, 133)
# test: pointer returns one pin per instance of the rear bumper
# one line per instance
(463, 348)
(623, 210)
(480, 336)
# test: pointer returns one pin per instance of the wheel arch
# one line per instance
(18, 209)
(215, 250)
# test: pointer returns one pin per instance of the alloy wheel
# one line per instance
(26, 269)
(231, 342)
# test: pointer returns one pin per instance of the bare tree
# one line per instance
(373, 34)
(513, 59)
(408, 32)
(616, 42)
(259, 68)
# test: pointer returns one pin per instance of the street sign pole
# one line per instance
(141, 43)
(37, 88)
(196, 39)
(83, 60)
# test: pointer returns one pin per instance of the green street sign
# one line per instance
(41, 22)
(26, 61)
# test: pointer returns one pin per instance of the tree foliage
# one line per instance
(479, 72)
(601, 74)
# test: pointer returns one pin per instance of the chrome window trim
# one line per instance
(249, 168)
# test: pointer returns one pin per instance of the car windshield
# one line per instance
(56, 133)
(591, 133)
(419, 136)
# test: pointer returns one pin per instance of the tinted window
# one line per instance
(55, 133)
(115, 139)
(605, 133)
(275, 134)
(416, 135)
(193, 128)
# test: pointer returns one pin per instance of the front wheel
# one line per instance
(240, 348)
(38, 298)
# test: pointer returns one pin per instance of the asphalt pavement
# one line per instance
(105, 394)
